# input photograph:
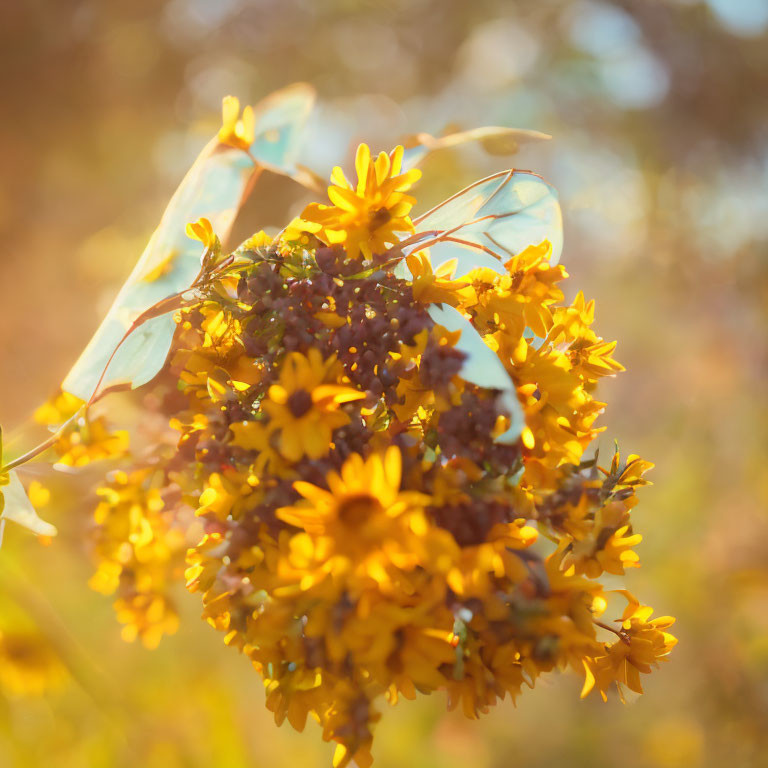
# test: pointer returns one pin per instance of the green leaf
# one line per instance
(214, 188)
(17, 508)
(491, 220)
(482, 366)
(14, 504)
(281, 119)
(495, 140)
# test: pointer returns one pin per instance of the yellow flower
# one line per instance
(258, 240)
(479, 566)
(139, 551)
(304, 404)
(363, 497)
(632, 474)
(225, 495)
(295, 695)
(590, 355)
(91, 441)
(202, 230)
(363, 218)
(39, 496)
(414, 398)
(522, 298)
(147, 616)
(342, 723)
(58, 409)
(559, 408)
(606, 547)
(236, 132)
(642, 644)
(254, 437)
(434, 286)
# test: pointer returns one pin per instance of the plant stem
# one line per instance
(44, 446)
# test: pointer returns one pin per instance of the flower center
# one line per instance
(356, 509)
(299, 402)
(378, 218)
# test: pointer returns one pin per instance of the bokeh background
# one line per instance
(659, 113)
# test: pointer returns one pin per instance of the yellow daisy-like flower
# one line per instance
(304, 405)
(363, 218)
(364, 493)
(236, 132)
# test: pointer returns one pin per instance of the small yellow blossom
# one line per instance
(434, 286)
(607, 547)
(642, 644)
(92, 441)
(58, 409)
(140, 552)
(235, 131)
(202, 230)
(258, 240)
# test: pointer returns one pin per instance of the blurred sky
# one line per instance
(658, 111)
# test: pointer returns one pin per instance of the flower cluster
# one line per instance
(90, 440)
(366, 530)
(139, 545)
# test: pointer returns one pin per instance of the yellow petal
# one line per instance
(362, 161)
(589, 681)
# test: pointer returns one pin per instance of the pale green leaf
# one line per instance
(495, 140)
(213, 188)
(493, 219)
(482, 366)
(17, 508)
(280, 124)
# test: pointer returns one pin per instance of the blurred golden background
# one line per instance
(658, 112)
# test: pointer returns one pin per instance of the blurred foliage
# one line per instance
(658, 113)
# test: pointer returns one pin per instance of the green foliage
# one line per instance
(15, 505)
(482, 366)
(133, 346)
(495, 140)
(486, 223)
